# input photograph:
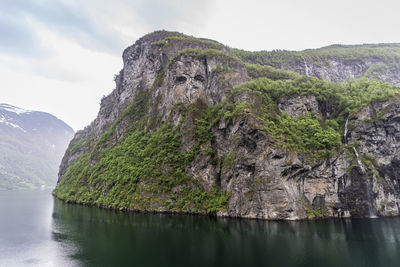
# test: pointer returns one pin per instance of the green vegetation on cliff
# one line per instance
(203, 53)
(258, 71)
(188, 39)
(146, 171)
(390, 53)
(310, 134)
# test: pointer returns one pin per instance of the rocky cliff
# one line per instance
(196, 127)
(335, 62)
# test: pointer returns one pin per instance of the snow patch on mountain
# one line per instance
(3, 120)
(14, 109)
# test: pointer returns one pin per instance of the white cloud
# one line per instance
(69, 83)
(297, 25)
(63, 55)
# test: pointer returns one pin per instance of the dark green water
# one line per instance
(36, 230)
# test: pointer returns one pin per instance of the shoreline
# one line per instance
(169, 212)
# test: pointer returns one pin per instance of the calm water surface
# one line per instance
(36, 230)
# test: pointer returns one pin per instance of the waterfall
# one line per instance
(345, 131)
(371, 210)
(359, 161)
(307, 70)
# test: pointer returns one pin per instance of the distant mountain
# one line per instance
(32, 144)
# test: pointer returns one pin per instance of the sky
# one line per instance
(60, 56)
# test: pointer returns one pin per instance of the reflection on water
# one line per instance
(108, 238)
(46, 232)
(25, 231)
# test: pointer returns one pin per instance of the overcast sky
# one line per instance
(60, 56)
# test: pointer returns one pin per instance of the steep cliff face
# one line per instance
(193, 128)
(361, 180)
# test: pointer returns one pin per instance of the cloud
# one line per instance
(28, 27)
(181, 15)
(94, 24)
(48, 38)
(66, 19)
(16, 38)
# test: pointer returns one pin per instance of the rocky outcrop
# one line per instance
(336, 62)
(339, 69)
(377, 132)
(268, 182)
(191, 86)
(300, 105)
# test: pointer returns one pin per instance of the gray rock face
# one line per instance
(191, 78)
(336, 63)
(377, 129)
(265, 180)
(300, 105)
(336, 69)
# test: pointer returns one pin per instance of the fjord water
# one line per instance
(37, 230)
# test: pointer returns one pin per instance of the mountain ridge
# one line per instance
(194, 126)
(32, 144)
